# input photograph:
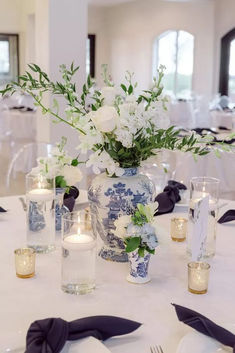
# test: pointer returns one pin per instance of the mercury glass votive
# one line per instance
(178, 229)
(198, 277)
(25, 262)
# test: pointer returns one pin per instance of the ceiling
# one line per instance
(108, 2)
(116, 2)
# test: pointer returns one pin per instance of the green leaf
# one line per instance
(60, 182)
(74, 162)
(130, 89)
(141, 252)
(123, 87)
(132, 244)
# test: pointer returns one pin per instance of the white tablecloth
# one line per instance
(25, 300)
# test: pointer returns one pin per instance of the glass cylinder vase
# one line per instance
(78, 253)
(40, 215)
(200, 188)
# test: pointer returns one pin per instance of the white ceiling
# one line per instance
(108, 2)
(116, 2)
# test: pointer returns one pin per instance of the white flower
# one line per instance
(121, 225)
(108, 94)
(71, 174)
(105, 118)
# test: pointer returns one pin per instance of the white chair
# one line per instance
(22, 163)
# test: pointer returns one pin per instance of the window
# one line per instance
(227, 65)
(9, 61)
(175, 50)
(90, 55)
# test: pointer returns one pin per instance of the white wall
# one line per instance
(130, 29)
(224, 22)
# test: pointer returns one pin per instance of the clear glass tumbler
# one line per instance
(40, 215)
(78, 253)
(201, 187)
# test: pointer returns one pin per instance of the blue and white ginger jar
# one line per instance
(111, 198)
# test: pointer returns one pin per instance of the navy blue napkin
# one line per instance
(50, 335)
(199, 130)
(169, 197)
(205, 326)
(70, 197)
(2, 209)
(227, 217)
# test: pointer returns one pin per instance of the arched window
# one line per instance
(175, 50)
(227, 65)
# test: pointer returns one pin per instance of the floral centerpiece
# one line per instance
(140, 239)
(121, 129)
(64, 169)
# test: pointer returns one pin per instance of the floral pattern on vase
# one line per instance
(35, 217)
(60, 209)
(138, 268)
(111, 198)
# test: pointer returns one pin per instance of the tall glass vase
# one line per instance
(40, 216)
(111, 198)
(60, 209)
(201, 187)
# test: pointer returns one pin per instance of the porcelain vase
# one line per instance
(60, 209)
(112, 197)
(138, 268)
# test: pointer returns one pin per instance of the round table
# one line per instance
(23, 301)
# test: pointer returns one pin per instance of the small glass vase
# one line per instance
(40, 216)
(201, 187)
(138, 268)
(60, 209)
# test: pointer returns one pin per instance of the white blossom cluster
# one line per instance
(59, 164)
(120, 117)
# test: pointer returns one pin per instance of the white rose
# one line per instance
(108, 94)
(105, 118)
(121, 224)
(71, 174)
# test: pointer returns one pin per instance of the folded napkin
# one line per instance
(50, 335)
(70, 197)
(227, 217)
(203, 131)
(205, 326)
(168, 198)
(2, 209)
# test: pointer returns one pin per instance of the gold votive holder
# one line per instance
(198, 277)
(25, 262)
(179, 229)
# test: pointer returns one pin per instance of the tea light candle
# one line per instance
(38, 195)
(25, 262)
(81, 242)
(178, 229)
(198, 277)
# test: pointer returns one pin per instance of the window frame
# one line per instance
(156, 55)
(224, 62)
(92, 39)
(16, 35)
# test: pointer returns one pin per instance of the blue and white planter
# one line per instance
(60, 209)
(111, 198)
(138, 268)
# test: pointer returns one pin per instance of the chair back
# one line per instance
(22, 163)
